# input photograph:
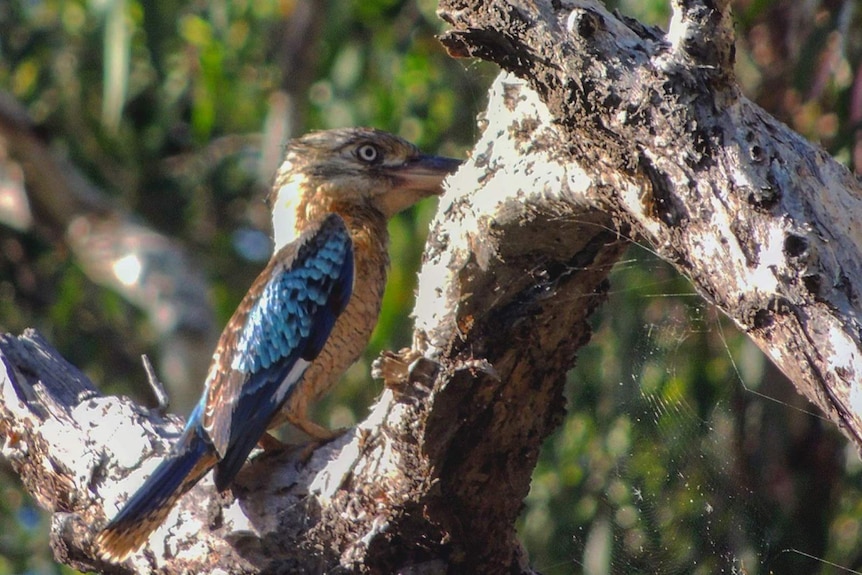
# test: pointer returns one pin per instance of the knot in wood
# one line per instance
(584, 22)
(795, 246)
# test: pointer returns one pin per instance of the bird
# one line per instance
(306, 318)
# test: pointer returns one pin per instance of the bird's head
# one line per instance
(342, 170)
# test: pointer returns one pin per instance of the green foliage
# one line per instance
(671, 459)
(154, 101)
(682, 454)
(684, 450)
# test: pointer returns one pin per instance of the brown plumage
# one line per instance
(286, 345)
(334, 172)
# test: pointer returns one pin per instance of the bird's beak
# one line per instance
(426, 173)
(419, 177)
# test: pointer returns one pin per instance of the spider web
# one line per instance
(686, 452)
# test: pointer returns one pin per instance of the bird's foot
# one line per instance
(394, 367)
(315, 431)
(269, 442)
(319, 438)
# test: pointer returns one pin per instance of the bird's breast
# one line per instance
(354, 326)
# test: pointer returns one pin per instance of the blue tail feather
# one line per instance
(191, 459)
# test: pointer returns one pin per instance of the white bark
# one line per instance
(766, 225)
(603, 129)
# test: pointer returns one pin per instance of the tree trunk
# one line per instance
(602, 129)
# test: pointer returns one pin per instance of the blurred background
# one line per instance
(138, 139)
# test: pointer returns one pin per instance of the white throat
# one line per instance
(284, 212)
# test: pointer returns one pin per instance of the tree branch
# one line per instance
(615, 129)
(436, 475)
(762, 222)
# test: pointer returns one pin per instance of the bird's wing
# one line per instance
(278, 329)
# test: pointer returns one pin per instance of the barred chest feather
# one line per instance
(353, 329)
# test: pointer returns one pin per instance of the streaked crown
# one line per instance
(338, 170)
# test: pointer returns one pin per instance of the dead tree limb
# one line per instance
(765, 224)
(604, 129)
(436, 475)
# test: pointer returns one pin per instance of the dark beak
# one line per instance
(426, 173)
(419, 177)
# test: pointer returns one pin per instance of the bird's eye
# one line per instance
(369, 154)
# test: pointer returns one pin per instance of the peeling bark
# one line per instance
(765, 224)
(603, 129)
(434, 479)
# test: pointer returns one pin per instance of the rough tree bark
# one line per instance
(602, 129)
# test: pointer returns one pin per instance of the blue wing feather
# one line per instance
(256, 409)
(280, 326)
(288, 317)
(336, 303)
